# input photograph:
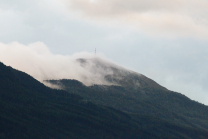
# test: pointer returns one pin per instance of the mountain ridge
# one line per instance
(134, 93)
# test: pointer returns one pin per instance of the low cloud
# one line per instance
(37, 61)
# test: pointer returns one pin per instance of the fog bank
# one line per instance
(37, 61)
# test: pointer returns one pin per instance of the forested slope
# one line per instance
(29, 110)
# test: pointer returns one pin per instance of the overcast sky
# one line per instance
(165, 40)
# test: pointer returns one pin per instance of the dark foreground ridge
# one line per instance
(30, 110)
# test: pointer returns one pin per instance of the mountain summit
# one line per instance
(108, 73)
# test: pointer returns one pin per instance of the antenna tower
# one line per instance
(95, 51)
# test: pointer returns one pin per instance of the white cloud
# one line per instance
(172, 18)
(37, 61)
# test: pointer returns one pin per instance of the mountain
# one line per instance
(30, 110)
(134, 93)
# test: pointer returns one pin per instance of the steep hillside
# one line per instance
(134, 93)
(167, 105)
(29, 110)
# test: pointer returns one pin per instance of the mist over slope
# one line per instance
(36, 60)
(31, 110)
(113, 74)
(116, 87)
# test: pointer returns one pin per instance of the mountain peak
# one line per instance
(112, 74)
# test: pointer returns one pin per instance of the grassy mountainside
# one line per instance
(29, 110)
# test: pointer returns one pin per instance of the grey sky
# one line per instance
(165, 40)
